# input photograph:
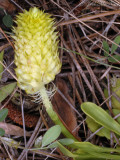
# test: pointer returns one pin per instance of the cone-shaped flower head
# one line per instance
(36, 50)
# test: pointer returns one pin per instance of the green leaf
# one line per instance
(95, 156)
(66, 141)
(115, 87)
(106, 48)
(1, 66)
(53, 145)
(87, 151)
(114, 46)
(7, 20)
(65, 151)
(116, 57)
(51, 135)
(6, 90)
(105, 155)
(3, 114)
(100, 116)
(89, 157)
(85, 156)
(93, 126)
(89, 147)
(2, 132)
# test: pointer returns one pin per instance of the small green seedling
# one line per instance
(107, 52)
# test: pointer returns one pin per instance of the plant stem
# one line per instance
(53, 115)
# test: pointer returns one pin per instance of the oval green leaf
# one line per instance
(53, 145)
(66, 141)
(106, 48)
(100, 116)
(114, 46)
(3, 114)
(7, 20)
(6, 90)
(51, 135)
(2, 132)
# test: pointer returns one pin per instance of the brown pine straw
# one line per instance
(87, 18)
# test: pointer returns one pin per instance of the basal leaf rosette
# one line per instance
(36, 50)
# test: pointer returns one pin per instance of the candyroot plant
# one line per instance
(36, 56)
(37, 62)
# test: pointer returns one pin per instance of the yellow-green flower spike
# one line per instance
(36, 50)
